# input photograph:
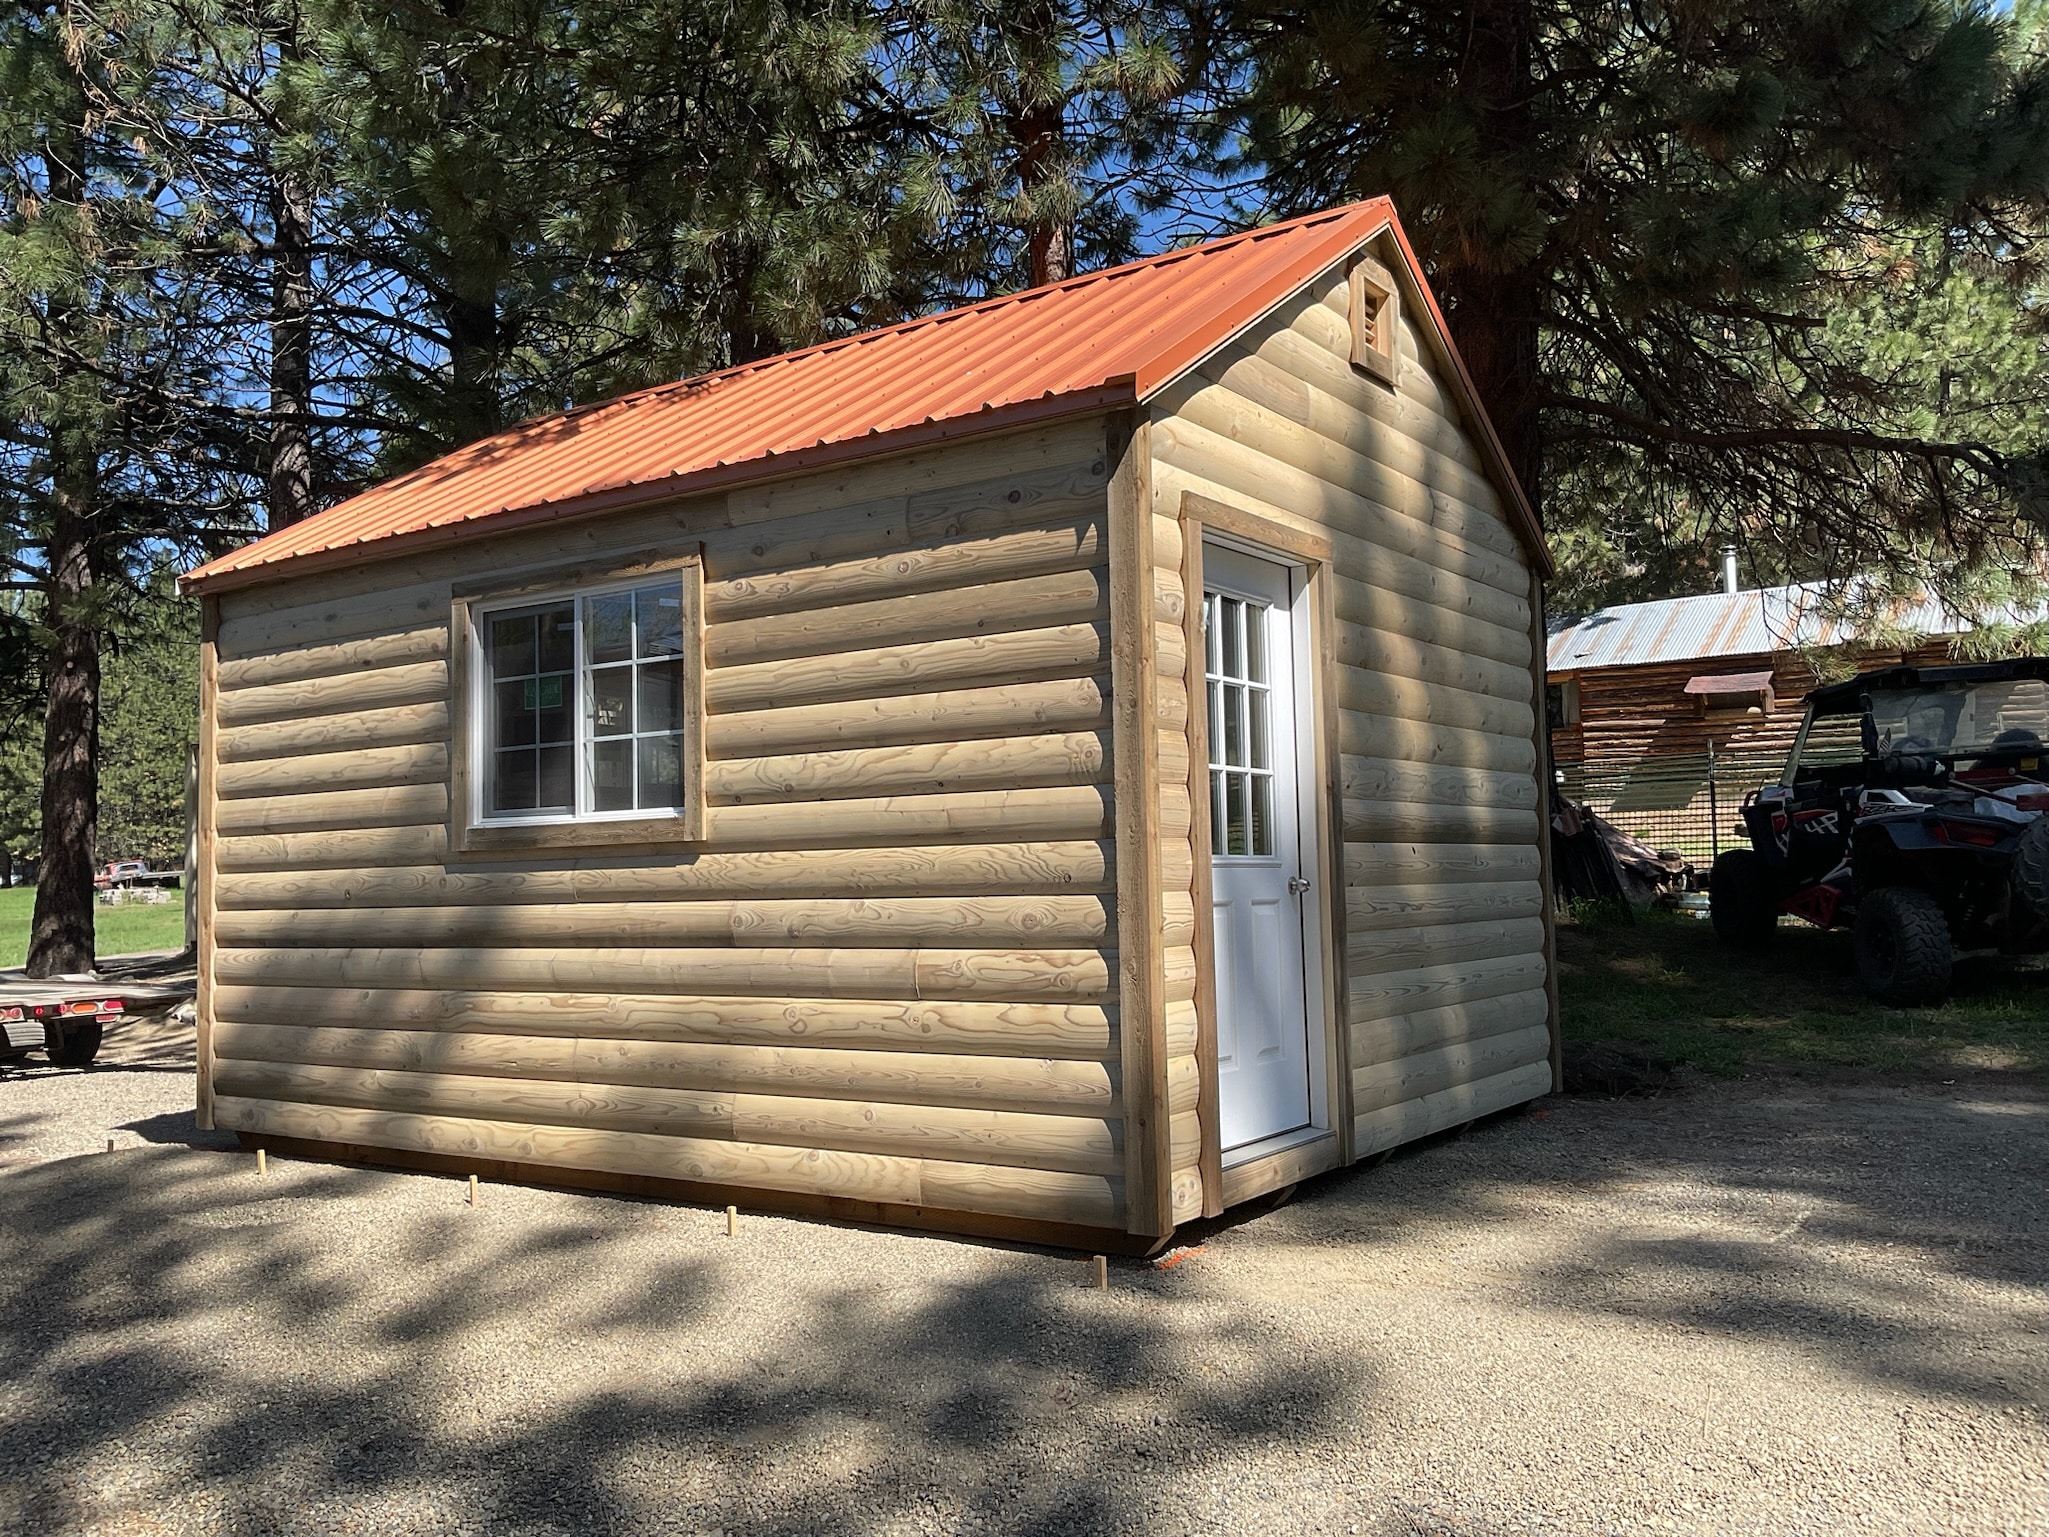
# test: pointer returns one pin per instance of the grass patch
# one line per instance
(1666, 982)
(117, 930)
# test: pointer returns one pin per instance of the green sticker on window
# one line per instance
(544, 693)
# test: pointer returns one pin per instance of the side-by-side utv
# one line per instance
(1911, 812)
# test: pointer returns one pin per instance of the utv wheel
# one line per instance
(2030, 875)
(1743, 902)
(71, 1043)
(1903, 947)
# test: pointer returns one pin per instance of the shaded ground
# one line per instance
(1751, 1308)
(1668, 983)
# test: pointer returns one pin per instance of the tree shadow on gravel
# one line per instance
(190, 1348)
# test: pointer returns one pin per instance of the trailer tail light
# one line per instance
(1971, 835)
(87, 1006)
(11, 1015)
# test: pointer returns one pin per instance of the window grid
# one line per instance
(606, 667)
(1240, 695)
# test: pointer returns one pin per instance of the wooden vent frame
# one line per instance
(1376, 305)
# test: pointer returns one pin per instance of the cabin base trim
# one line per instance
(1276, 1171)
(749, 1198)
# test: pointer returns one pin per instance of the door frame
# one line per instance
(1326, 1144)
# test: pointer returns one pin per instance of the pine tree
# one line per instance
(108, 406)
(1047, 134)
(1645, 221)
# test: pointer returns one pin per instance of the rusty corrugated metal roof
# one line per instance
(1754, 623)
(1095, 342)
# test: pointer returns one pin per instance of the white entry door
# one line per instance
(1257, 848)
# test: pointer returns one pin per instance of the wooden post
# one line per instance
(262, 1161)
(110, 1144)
(206, 852)
(1141, 961)
(473, 1190)
(1208, 1099)
(1102, 1269)
(732, 1222)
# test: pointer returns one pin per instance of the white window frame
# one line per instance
(473, 827)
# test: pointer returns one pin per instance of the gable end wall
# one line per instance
(1445, 1010)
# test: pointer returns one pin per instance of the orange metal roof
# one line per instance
(1095, 342)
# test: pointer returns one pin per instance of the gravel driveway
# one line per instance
(1747, 1308)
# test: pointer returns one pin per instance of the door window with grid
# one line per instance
(581, 711)
(1241, 751)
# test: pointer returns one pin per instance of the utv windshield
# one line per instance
(1963, 720)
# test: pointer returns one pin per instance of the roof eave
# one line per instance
(1112, 395)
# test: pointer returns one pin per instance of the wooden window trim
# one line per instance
(465, 836)
(1376, 309)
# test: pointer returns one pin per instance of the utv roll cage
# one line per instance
(1848, 697)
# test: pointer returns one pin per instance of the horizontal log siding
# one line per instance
(888, 975)
(1443, 936)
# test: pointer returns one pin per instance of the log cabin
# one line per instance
(1059, 768)
(1731, 670)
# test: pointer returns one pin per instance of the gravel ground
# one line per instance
(1746, 1308)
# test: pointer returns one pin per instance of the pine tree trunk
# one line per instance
(748, 340)
(61, 933)
(1496, 308)
(61, 938)
(1039, 129)
(473, 343)
(290, 494)
(1495, 319)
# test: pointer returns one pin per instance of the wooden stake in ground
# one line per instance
(732, 1222)
(110, 1144)
(1102, 1272)
(262, 1161)
(473, 1190)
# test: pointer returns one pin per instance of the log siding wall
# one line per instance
(1628, 714)
(1443, 967)
(890, 972)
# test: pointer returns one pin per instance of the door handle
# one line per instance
(1297, 884)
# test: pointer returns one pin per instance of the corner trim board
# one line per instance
(1141, 959)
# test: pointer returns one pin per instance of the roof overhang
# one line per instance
(1116, 395)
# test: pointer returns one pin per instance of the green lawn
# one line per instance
(118, 931)
(1665, 982)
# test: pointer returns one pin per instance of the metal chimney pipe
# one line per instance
(1729, 570)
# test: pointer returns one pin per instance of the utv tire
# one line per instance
(2030, 875)
(1742, 902)
(71, 1043)
(1903, 947)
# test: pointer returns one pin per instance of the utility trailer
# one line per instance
(72, 1014)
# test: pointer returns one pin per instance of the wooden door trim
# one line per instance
(1313, 552)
